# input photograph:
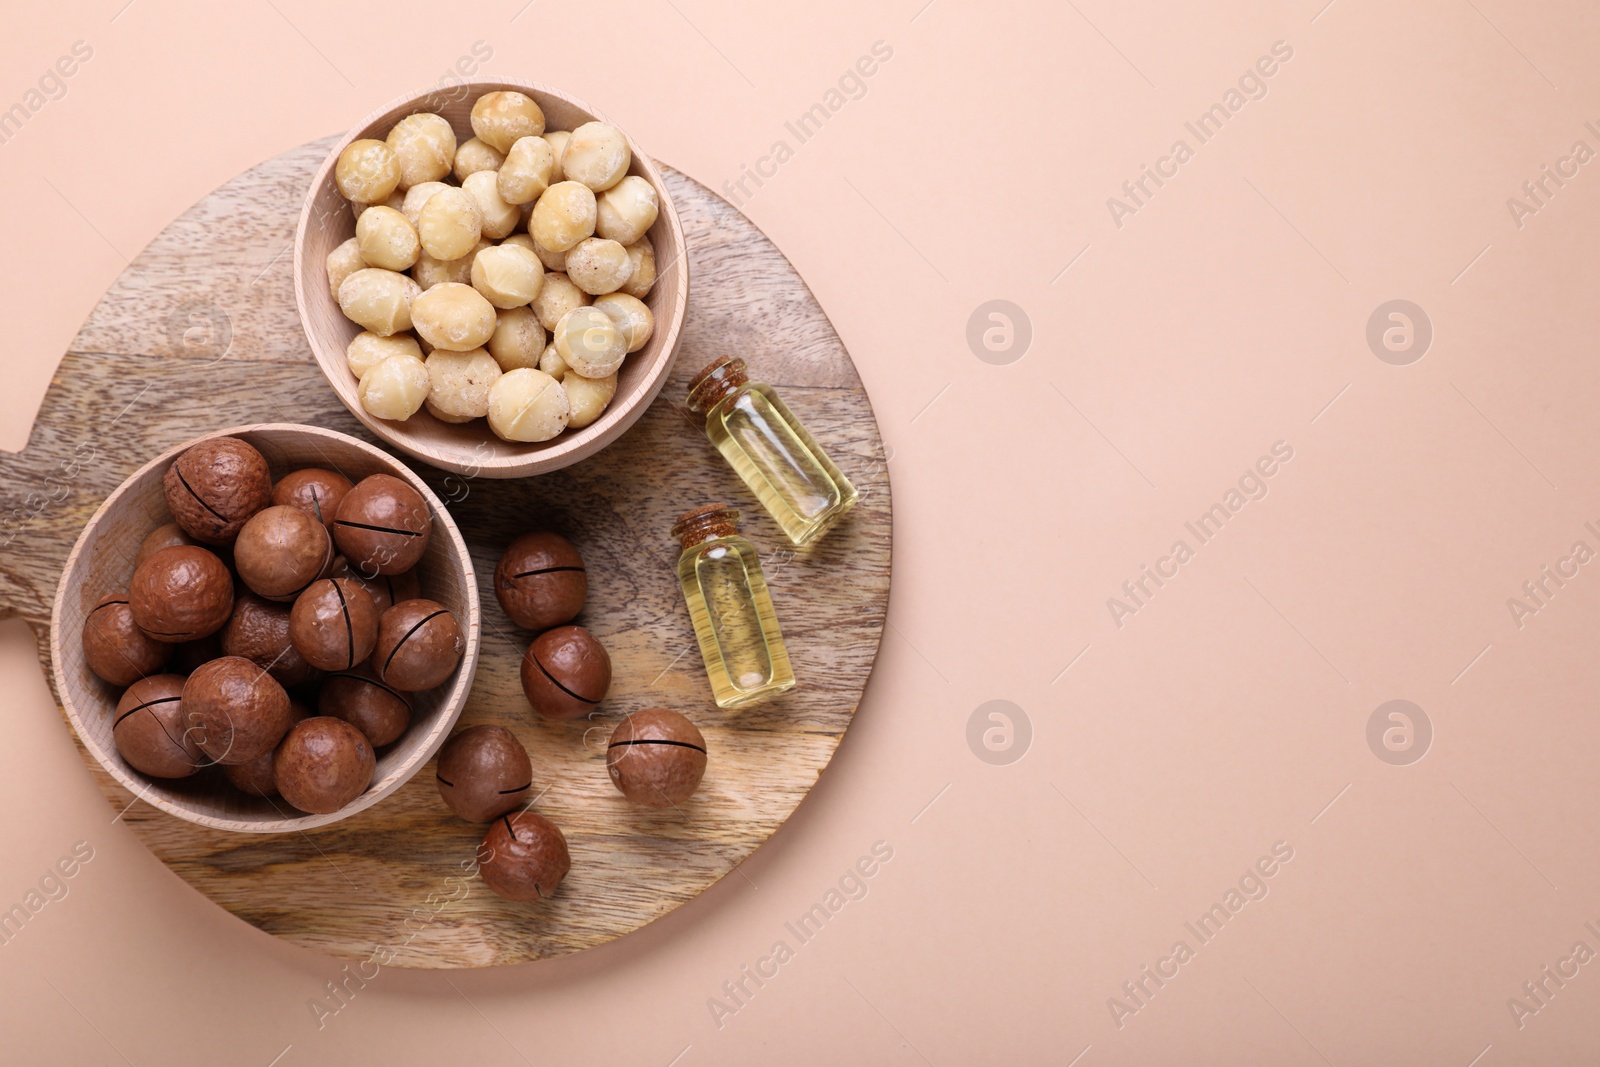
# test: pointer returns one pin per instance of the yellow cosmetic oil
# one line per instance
(726, 592)
(771, 450)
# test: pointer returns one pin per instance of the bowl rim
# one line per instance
(571, 447)
(454, 701)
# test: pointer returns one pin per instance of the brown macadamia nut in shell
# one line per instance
(323, 764)
(361, 699)
(235, 709)
(524, 857)
(566, 673)
(383, 525)
(484, 772)
(541, 581)
(213, 487)
(256, 777)
(165, 536)
(334, 624)
(420, 644)
(149, 730)
(114, 647)
(313, 490)
(280, 551)
(259, 632)
(181, 594)
(656, 758)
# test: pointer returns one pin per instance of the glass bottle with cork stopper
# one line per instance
(771, 450)
(723, 584)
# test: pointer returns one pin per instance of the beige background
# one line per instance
(1167, 755)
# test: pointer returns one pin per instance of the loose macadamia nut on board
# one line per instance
(460, 382)
(527, 405)
(387, 239)
(334, 624)
(557, 139)
(367, 171)
(382, 526)
(631, 315)
(656, 758)
(453, 316)
(502, 118)
(587, 398)
(258, 631)
(315, 491)
(257, 777)
(386, 590)
(361, 699)
(474, 155)
(627, 210)
(484, 772)
(181, 594)
(280, 551)
(597, 265)
(497, 218)
(343, 262)
(424, 146)
(378, 300)
(416, 196)
(524, 857)
(419, 645)
(114, 647)
(557, 296)
(566, 672)
(642, 256)
(589, 342)
(394, 389)
(164, 536)
(235, 710)
(563, 216)
(430, 272)
(323, 764)
(518, 339)
(508, 276)
(526, 172)
(597, 155)
(214, 486)
(149, 731)
(366, 350)
(449, 224)
(541, 580)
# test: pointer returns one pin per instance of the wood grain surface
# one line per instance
(200, 332)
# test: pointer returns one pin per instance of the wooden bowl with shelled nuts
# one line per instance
(471, 447)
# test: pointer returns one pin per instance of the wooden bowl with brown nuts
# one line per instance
(492, 277)
(185, 670)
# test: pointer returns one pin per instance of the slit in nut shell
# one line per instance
(419, 645)
(382, 526)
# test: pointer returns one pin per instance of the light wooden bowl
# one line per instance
(102, 562)
(472, 449)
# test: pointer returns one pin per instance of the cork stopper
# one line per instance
(715, 382)
(706, 524)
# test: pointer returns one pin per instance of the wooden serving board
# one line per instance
(201, 332)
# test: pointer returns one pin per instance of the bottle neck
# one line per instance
(706, 524)
(716, 383)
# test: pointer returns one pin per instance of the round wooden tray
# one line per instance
(201, 332)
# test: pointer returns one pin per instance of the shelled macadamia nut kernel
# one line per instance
(367, 349)
(378, 300)
(597, 155)
(589, 342)
(598, 266)
(475, 155)
(424, 146)
(551, 259)
(587, 398)
(449, 224)
(627, 210)
(528, 405)
(504, 117)
(367, 171)
(430, 272)
(526, 172)
(460, 382)
(563, 216)
(557, 296)
(343, 262)
(387, 239)
(557, 139)
(394, 200)
(518, 339)
(395, 389)
(631, 316)
(498, 217)
(454, 316)
(416, 196)
(508, 276)
(551, 363)
(642, 255)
